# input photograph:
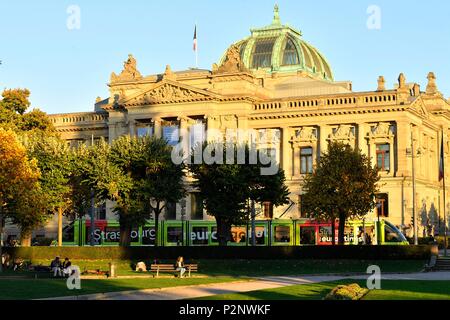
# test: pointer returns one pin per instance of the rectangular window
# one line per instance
(260, 235)
(171, 131)
(196, 207)
(174, 234)
(382, 205)
(282, 234)
(307, 235)
(306, 160)
(145, 127)
(383, 157)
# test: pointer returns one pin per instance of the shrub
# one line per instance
(348, 292)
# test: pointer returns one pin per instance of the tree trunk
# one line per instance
(223, 231)
(25, 238)
(341, 228)
(60, 236)
(157, 213)
(333, 232)
(125, 235)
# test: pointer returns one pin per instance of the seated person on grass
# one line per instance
(67, 267)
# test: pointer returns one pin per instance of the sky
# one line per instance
(66, 67)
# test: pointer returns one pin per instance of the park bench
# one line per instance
(169, 268)
(96, 272)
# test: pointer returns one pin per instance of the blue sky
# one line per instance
(67, 69)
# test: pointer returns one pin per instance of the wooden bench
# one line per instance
(169, 268)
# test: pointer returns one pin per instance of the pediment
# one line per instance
(418, 106)
(168, 91)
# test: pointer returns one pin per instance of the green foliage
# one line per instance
(226, 188)
(14, 104)
(138, 174)
(343, 186)
(347, 292)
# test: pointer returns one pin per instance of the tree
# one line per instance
(53, 157)
(17, 172)
(14, 104)
(226, 188)
(163, 181)
(343, 186)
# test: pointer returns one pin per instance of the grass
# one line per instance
(211, 271)
(391, 290)
(260, 268)
(48, 288)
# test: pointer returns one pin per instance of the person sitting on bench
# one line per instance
(67, 267)
(179, 266)
(55, 265)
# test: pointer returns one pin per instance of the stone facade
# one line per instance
(306, 109)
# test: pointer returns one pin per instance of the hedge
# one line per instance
(422, 252)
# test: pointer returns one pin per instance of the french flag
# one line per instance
(195, 38)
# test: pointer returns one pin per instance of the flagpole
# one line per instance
(445, 202)
(196, 46)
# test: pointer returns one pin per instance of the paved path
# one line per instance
(190, 292)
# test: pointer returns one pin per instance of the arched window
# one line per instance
(262, 53)
(290, 56)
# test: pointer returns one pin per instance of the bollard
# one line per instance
(112, 270)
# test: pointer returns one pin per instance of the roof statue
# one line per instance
(401, 81)
(232, 63)
(381, 84)
(129, 71)
(431, 86)
(169, 74)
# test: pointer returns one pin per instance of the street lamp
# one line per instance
(183, 218)
(414, 155)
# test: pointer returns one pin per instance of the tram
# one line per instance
(204, 233)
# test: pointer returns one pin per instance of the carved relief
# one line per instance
(232, 63)
(166, 93)
(343, 132)
(382, 129)
(305, 134)
(129, 71)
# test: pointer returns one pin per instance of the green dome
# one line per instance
(279, 48)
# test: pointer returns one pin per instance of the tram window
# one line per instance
(148, 236)
(282, 234)
(174, 234)
(260, 233)
(199, 235)
(391, 235)
(366, 236)
(308, 235)
(238, 234)
(69, 233)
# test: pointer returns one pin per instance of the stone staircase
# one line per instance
(442, 264)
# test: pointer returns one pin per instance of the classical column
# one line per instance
(132, 126)
(323, 136)
(157, 127)
(286, 154)
(363, 129)
(403, 144)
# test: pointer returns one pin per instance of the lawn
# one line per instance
(24, 289)
(211, 271)
(258, 268)
(391, 290)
